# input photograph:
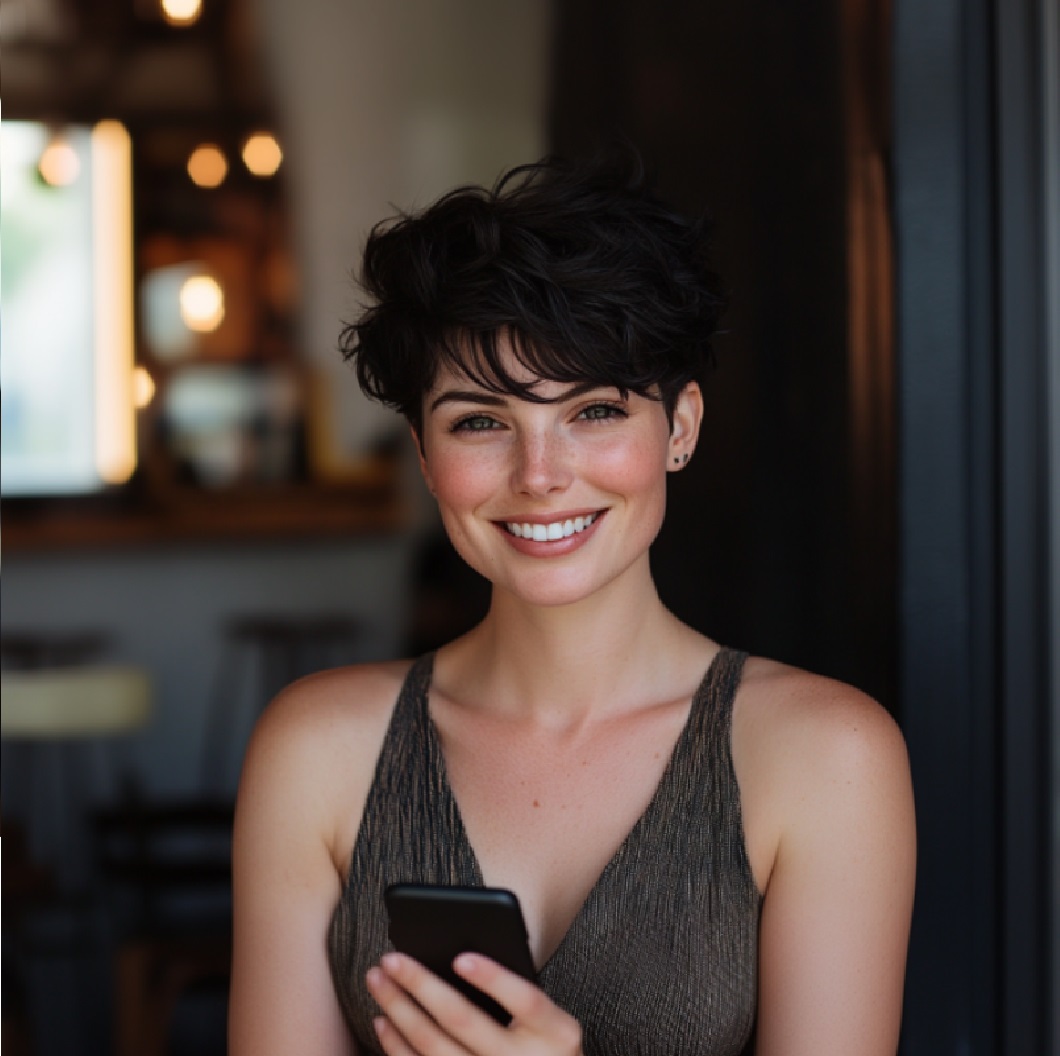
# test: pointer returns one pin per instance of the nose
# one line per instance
(542, 464)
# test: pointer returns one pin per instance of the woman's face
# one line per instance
(552, 501)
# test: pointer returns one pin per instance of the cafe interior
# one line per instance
(199, 506)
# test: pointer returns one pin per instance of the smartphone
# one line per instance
(432, 923)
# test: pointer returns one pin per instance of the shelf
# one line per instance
(371, 507)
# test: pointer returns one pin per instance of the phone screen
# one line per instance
(434, 923)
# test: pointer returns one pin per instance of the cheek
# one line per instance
(633, 468)
(460, 482)
(637, 472)
(461, 486)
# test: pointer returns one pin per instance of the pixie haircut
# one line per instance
(582, 269)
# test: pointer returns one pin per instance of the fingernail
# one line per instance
(465, 962)
(380, 1025)
(373, 976)
(391, 961)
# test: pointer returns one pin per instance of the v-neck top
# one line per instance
(661, 958)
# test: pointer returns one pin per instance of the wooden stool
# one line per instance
(151, 975)
(157, 853)
(281, 649)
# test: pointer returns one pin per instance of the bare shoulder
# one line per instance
(830, 832)
(343, 701)
(306, 776)
(807, 748)
(788, 714)
(315, 746)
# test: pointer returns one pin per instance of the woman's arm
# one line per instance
(836, 913)
(285, 886)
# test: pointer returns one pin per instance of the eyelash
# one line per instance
(463, 425)
(612, 410)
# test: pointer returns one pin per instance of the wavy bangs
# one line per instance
(581, 271)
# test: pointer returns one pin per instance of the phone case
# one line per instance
(433, 923)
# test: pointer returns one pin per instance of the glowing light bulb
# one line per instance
(181, 12)
(59, 164)
(143, 387)
(207, 166)
(262, 154)
(202, 304)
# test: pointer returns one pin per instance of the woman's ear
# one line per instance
(684, 431)
(418, 441)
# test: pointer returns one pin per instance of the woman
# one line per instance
(711, 851)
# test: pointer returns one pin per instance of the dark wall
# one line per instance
(745, 109)
(738, 109)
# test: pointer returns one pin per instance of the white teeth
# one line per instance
(541, 533)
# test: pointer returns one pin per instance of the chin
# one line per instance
(550, 590)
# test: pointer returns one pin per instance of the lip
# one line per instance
(551, 547)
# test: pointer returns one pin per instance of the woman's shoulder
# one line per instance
(806, 748)
(790, 712)
(315, 746)
(337, 704)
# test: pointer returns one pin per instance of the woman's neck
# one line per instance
(562, 664)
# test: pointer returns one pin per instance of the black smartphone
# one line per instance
(433, 923)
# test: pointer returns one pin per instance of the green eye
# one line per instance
(475, 423)
(600, 411)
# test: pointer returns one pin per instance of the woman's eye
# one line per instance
(600, 411)
(475, 423)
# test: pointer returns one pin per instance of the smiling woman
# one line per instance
(523, 486)
(711, 851)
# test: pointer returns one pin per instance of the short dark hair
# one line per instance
(588, 274)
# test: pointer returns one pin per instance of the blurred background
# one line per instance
(199, 506)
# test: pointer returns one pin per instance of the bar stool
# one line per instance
(53, 715)
(172, 850)
(174, 859)
(278, 649)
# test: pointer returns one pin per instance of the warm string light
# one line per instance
(59, 165)
(202, 304)
(207, 166)
(181, 12)
(143, 387)
(262, 154)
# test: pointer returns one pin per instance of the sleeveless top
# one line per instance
(662, 956)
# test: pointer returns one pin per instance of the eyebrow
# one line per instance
(491, 399)
(486, 399)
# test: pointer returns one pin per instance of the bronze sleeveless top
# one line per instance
(660, 959)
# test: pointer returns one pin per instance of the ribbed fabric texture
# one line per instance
(661, 958)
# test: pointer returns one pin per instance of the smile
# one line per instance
(542, 533)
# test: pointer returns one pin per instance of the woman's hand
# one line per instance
(426, 1017)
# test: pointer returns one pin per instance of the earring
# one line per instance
(681, 460)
